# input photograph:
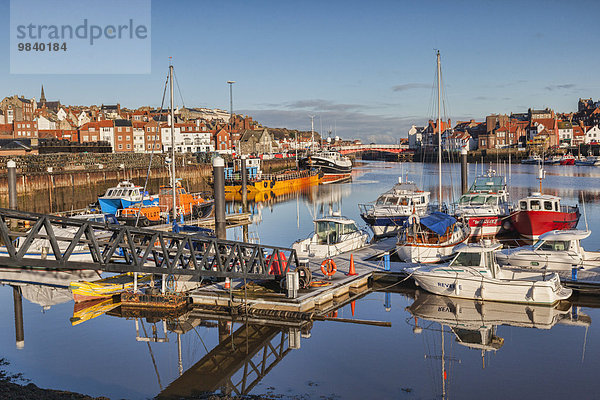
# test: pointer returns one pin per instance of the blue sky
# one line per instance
(366, 67)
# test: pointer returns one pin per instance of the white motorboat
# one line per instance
(392, 208)
(430, 239)
(533, 160)
(333, 235)
(554, 251)
(475, 274)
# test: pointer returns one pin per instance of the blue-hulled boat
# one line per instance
(124, 195)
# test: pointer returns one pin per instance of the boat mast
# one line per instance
(172, 145)
(439, 125)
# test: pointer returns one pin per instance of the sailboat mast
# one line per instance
(439, 124)
(172, 145)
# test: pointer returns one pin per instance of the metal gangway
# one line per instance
(33, 240)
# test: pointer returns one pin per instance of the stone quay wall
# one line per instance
(76, 180)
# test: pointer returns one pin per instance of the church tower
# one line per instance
(43, 97)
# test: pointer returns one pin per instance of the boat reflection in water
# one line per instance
(474, 322)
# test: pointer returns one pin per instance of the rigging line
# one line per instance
(178, 89)
(152, 356)
(151, 153)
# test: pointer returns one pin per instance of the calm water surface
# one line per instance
(539, 352)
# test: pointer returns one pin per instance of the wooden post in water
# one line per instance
(244, 173)
(19, 330)
(463, 171)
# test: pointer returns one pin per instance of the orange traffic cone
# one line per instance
(352, 271)
(352, 307)
(227, 283)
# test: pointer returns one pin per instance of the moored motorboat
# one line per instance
(392, 208)
(541, 213)
(567, 159)
(140, 215)
(475, 274)
(188, 204)
(330, 162)
(431, 238)
(533, 160)
(485, 207)
(333, 235)
(558, 250)
(124, 195)
(590, 161)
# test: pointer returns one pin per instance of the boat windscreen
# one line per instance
(467, 260)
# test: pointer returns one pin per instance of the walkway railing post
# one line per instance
(12, 188)
(219, 187)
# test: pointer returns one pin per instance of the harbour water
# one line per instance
(538, 352)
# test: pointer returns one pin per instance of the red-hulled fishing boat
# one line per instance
(541, 213)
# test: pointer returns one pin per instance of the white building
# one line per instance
(138, 137)
(186, 141)
(592, 135)
(45, 123)
(415, 137)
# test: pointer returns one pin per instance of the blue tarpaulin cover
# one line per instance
(438, 222)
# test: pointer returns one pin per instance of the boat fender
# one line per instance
(272, 183)
(506, 225)
(265, 184)
(328, 267)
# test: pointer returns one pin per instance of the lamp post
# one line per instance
(231, 106)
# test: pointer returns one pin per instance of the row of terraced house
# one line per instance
(141, 131)
(535, 128)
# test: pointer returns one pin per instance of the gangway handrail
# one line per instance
(121, 248)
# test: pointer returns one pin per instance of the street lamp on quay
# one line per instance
(230, 105)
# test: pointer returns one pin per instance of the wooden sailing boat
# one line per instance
(432, 238)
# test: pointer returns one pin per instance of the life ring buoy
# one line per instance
(276, 264)
(328, 267)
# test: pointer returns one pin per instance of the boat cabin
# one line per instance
(393, 198)
(540, 202)
(561, 240)
(479, 256)
(334, 229)
(124, 189)
(488, 184)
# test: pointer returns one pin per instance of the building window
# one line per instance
(120, 146)
(128, 146)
